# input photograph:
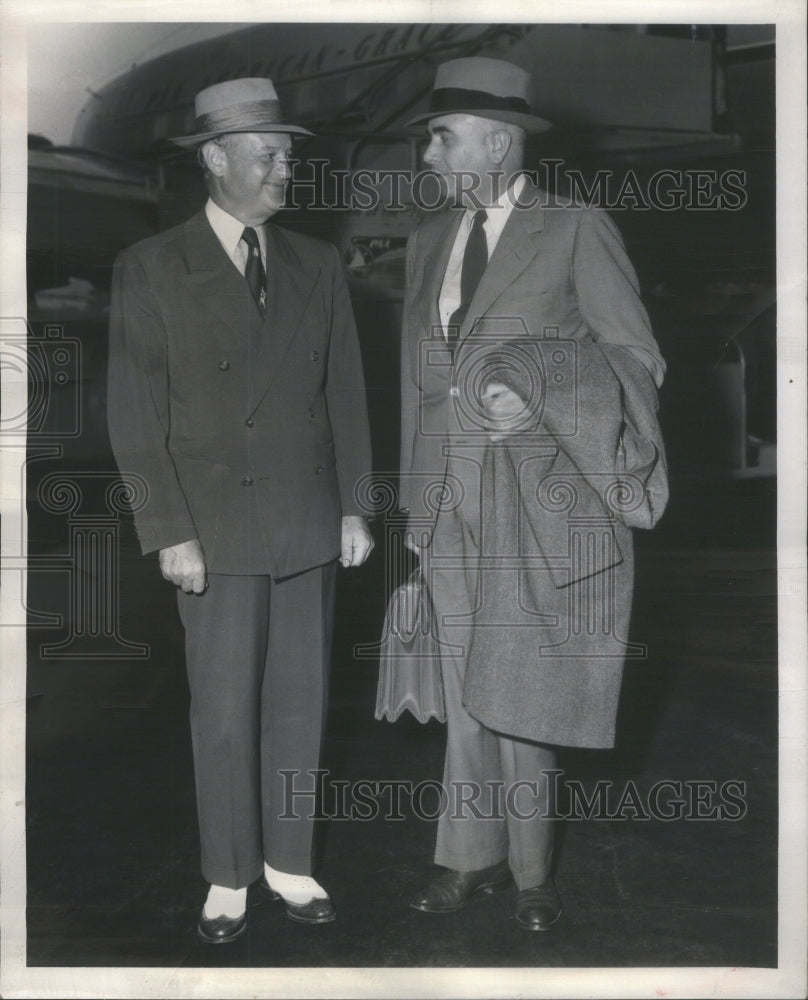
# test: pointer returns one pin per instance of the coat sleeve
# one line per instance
(608, 291)
(138, 406)
(409, 390)
(345, 397)
(617, 444)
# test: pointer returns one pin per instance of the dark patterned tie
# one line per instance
(254, 272)
(475, 261)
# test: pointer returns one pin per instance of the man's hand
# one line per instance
(184, 565)
(504, 409)
(357, 542)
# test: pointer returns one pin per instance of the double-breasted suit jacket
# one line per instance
(250, 434)
(557, 317)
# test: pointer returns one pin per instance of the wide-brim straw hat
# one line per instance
(246, 105)
(486, 88)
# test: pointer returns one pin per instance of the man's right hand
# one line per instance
(184, 565)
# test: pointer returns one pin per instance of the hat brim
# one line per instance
(190, 141)
(530, 123)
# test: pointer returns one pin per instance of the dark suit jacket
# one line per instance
(557, 316)
(251, 435)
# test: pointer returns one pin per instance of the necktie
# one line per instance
(254, 271)
(475, 261)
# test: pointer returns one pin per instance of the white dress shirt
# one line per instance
(229, 231)
(497, 215)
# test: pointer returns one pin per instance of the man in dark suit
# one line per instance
(236, 392)
(530, 448)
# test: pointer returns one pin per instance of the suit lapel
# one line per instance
(222, 292)
(218, 286)
(516, 247)
(434, 265)
(290, 285)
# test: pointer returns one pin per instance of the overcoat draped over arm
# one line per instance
(553, 505)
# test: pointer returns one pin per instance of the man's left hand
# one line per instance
(504, 409)
(357, 542)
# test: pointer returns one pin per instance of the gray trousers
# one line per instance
(498, 796)
(257, 653)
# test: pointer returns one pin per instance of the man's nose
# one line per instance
(431, 154)
(283, 168)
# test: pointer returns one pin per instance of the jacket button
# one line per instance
(249, 422)
(311, 413)
(319, 469)
(314, 355)
(223, 366)
(246, 481)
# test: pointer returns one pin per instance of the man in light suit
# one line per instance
(236, 392)
(530, 449)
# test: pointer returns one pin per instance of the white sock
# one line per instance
(294, 888)
(223, 902)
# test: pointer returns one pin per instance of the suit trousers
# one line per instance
(498, 795)
(257, 655)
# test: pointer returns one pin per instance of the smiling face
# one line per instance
(249, 173)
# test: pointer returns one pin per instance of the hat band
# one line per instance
(240, 117)
(455, 99)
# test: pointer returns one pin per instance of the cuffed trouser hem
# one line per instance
(531, 879)
(290, 864)
(232, 878)
(474, 862)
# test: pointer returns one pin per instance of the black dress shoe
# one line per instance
(538, 909)
(453, 890)
(220, 930)
(316, 911)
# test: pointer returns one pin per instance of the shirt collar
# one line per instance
(499, 211)
(510, 195)
(226, 227)
(229, 229)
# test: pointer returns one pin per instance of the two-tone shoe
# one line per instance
(222, 929)
(318, 910)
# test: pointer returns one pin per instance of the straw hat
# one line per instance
(248, 105)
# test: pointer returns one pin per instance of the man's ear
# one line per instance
(214, 157)
(498, 143)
